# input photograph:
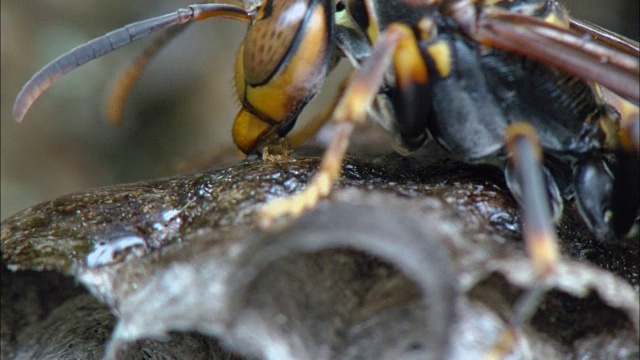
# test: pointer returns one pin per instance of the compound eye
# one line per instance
(271, 38)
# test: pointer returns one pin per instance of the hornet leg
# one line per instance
(350, 110)
(525, 155)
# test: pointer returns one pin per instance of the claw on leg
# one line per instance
(320, 184)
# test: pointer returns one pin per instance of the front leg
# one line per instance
(350, 110)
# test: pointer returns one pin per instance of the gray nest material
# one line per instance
(406, 259)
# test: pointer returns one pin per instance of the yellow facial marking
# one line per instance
(248, 129)
(268, 105)
(285, 90)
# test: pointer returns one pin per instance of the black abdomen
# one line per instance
(485, 92)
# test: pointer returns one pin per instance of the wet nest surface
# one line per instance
(407, 259)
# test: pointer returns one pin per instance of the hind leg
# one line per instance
(525, 156)
(531, 189)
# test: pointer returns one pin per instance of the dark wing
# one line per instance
(588, 57)
(605, 36)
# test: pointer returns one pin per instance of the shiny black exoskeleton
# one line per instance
(468, 108)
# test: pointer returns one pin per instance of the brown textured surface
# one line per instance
(399, 248)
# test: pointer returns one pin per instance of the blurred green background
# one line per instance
(181, 109)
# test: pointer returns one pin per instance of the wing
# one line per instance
(593, 54)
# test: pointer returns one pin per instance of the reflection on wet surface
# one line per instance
(186, 254)
(106, 252)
